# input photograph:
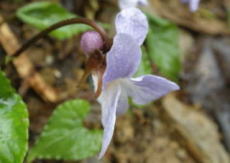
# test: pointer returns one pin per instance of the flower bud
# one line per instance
(90, 41)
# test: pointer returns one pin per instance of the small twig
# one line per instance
(24, 66)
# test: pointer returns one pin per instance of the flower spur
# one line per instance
(122, 61)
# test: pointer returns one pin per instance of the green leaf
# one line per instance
(163, 46)
(5, 89)
(13, 124)
(65, 137)
(145, 65)
(44, 14)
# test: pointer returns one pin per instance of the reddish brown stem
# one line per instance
(61, 24)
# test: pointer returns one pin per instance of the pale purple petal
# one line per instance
(132, 22)
(123, 58)
(147, 88)
(109, 100)
(194, 4)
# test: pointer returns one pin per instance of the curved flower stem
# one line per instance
(61, 24)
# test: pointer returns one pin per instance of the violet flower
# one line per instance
(193, 4)
(122, 61)
(131, 3)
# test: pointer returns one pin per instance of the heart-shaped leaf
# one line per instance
(13, 124)
(65, 137)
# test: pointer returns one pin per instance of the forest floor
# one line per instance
(191, 125)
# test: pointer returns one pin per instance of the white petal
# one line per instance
(109, 101)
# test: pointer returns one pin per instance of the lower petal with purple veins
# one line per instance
(109, 102)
